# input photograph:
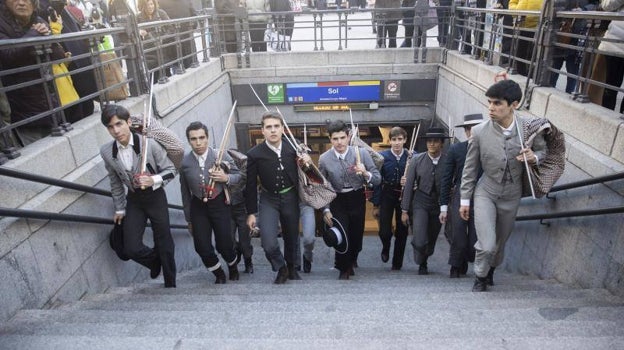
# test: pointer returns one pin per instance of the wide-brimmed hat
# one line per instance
(335, 236)
(435, 133)
(471, 119)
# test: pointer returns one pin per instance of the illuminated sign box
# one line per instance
(333, 92)
(334, 107)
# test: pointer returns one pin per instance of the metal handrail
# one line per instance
(4, 171)
(43, 215)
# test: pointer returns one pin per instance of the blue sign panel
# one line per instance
(327, 92)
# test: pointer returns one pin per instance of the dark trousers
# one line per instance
(239, 224)
(256, 35)
(615, 73)
(409, 33)
(206, 218)
(524, 50)
(463, 234)
(390, 206)
(350, 209)
(389, 29)
(142, 205)
(277, 210)
(572, 67)
(425, 227)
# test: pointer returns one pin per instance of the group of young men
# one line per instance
(475, 188)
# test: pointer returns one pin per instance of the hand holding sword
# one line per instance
(216, 172)
(360, 169)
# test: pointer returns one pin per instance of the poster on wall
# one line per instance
(333, 91)
(392, 90)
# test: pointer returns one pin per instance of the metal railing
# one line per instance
(33, 214)
(576, 213)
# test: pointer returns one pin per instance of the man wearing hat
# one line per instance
(420, 196)
(462, 233)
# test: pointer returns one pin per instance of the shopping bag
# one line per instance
(110, 74)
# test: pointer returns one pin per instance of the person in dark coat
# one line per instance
(421, 197)
(18, 20)
(182, 9)
(284, 23)
(150, 12)
(387, 22)
(226, 23)
(462, 234)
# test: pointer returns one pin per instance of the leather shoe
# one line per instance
(422, 269)
(282, 275)
(248, 266)
(239, 252)
(220, 276)
(454, 272)
(385, 256)
(155, 270)
(292, 273)
(233, 272)
(490, 276)
(307, 265)
(480, 284)
(464, 268)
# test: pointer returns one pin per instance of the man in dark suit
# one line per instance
(420, 197)
(146, 198)
(496, 149)
(206, 201)
(462, 233)
(349, 174)
(387, 198)
(272, 165)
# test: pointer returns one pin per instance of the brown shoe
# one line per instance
(282, 275)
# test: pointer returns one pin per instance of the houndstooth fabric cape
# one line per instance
(165, 137)
(549, 169)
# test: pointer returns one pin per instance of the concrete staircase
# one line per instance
(377, 309)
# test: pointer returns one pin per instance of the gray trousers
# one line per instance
(277, 210)
(426, 228)
(495, 216)
(308, 230)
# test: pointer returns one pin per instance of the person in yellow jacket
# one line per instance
(64, 83)
(524, 48)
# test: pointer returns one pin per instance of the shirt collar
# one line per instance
(129, 145)
(343, 155)
(277, 149)
(399, 155)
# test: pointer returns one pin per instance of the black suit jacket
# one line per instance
(262, 163)
(453, 168)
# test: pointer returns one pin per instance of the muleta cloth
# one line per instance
(335, 236)
(435, 133)
(471, 120)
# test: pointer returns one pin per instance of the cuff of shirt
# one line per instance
(158, 181)
(444, 208)
(536, 160)
(326, 210)
(120, 212)
(464, 202)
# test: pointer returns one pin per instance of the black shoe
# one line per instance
(233, 272)
(344, 275)
(355, 264)
(307, 265)
(239, 252)
(155, 270)
(396, 267)
(248, 266)
(385, 254)
(170, 285)
(292, 273)
(422, 269)
(351, 270)
(454, 272)
(480, 284)
(282, 275)
(464, 268)
(490, 276)
(220, 276)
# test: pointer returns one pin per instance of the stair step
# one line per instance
(49, 342)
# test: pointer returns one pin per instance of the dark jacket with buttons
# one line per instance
(263, 168)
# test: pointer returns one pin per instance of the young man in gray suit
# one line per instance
(146, 198)
(206, 201)
(420, 197)
(349, 178)
(495, 146)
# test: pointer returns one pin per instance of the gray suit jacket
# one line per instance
(419, 182)
(190, 177)
(489, 149)
(332, 168)
(157, 160)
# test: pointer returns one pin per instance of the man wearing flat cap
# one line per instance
(420, 197)
(462, 232)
